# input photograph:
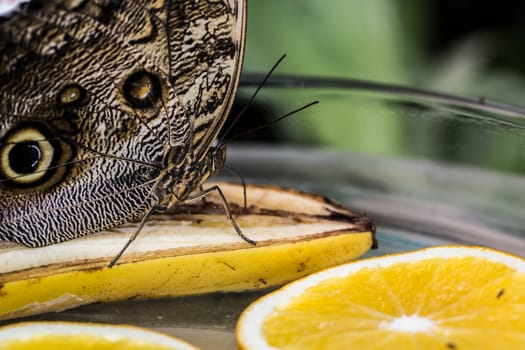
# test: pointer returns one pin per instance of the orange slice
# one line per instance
(85, 336)
(438, 298)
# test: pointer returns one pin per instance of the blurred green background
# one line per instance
(462, 47)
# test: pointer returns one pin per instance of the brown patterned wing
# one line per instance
(199, 44)
(205, 69)
(92, 95)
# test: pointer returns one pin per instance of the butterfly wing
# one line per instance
(88, 104)
(205, 69)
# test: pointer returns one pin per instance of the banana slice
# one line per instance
(190, 250)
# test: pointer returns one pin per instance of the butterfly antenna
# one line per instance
(272, 122)
(252, 98)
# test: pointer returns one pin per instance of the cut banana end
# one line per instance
(190, 250)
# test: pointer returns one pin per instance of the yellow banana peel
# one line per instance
(190, 250)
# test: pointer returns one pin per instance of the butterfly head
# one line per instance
(178, 181)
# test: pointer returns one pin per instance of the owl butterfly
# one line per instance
(108, 110)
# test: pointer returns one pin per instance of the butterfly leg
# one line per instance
(132, 238)
(229, 216)
(204, 200)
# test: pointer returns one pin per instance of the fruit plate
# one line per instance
(415, 203)
(416, 198)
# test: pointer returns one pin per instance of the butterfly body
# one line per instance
(108, 109)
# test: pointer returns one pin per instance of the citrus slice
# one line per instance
(85, 336)
(437, 298)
